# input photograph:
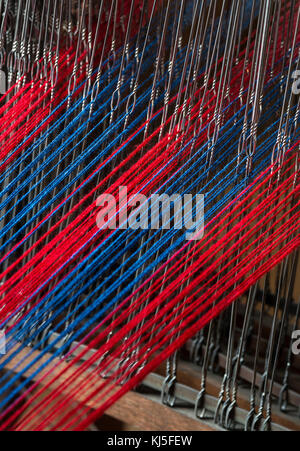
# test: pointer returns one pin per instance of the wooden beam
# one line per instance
(133, 412)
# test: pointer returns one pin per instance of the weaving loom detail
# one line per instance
(149, 213)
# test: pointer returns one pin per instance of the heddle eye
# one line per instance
(149, 217)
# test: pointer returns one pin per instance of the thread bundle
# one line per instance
(206, 115)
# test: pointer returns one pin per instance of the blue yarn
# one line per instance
(79, 160)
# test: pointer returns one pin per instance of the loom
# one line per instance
(122, 323)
